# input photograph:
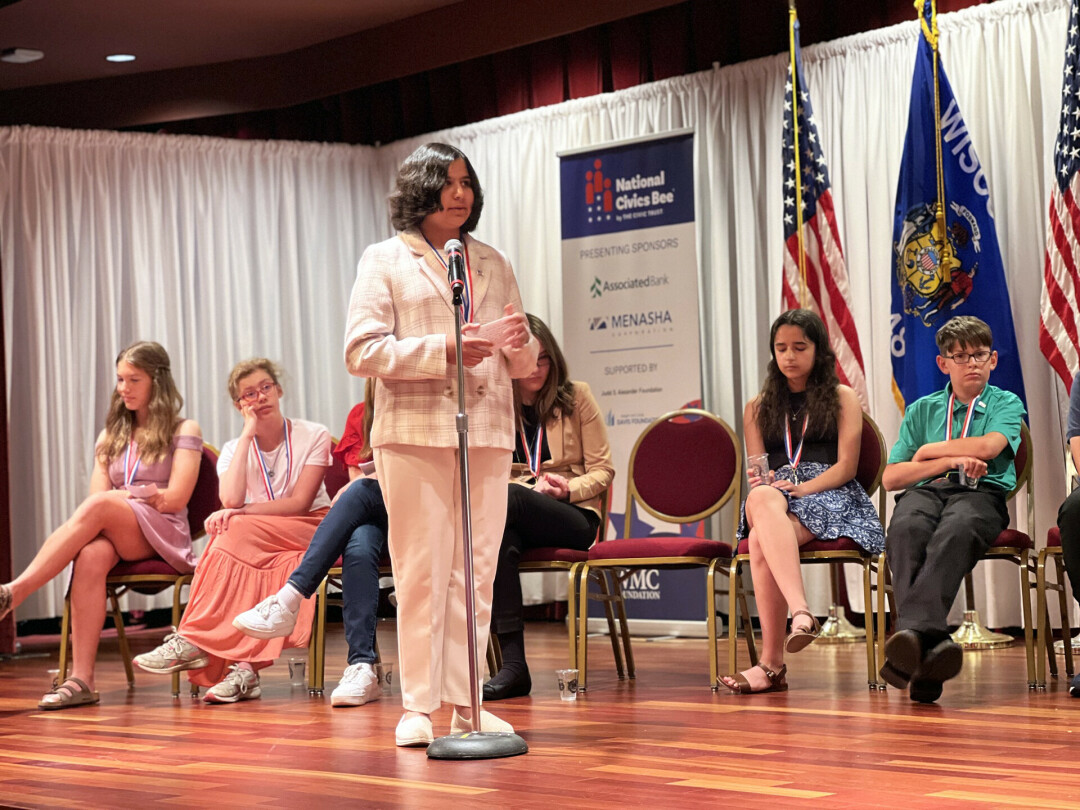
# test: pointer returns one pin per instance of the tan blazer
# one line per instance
(400, 312)
(579, 451)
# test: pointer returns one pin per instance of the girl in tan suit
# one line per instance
(401, 331)
(562, 470)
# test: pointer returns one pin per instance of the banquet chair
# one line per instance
(872, 459)
(1011, 544)
(1053, 550)
(154, 575)
(685, 466)
(570, 561)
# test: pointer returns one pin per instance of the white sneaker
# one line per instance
(240, 684)
(175, 654)
(358, 685)
(268, 619)
(488, 722)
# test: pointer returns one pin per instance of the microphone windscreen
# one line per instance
(453, 246)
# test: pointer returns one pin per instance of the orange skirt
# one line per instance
(242, 566)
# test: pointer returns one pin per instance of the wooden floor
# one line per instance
(663, 740)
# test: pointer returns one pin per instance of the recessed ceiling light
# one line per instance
(120, 57)
(20, 55)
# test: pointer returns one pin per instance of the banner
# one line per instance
(945, 250)
(630, 319)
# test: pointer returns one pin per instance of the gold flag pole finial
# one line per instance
(792, 21)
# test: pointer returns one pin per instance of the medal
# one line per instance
(267, 473)
(968, 417)
(794, 458)
(532, 455)
(129, 471)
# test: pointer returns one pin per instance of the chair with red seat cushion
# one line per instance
(835, 553)
(570, 561)
(154, 575)
(685, 467)
(1016, 547)
(1012, 545)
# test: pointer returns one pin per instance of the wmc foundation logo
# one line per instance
(599, 201)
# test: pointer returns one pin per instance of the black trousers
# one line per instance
(937, 534)
(1069, 523)
(533, 520)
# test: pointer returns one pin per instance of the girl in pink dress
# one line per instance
(271, 487)
(146, 463)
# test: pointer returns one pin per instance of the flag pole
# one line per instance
(939, 231)
(793, 21)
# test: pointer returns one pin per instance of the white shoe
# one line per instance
(488, 722)
(415, 730)
(175, 654)
(240, 684)
(358, 685)
(268, 619)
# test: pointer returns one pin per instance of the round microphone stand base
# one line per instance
(477, 745)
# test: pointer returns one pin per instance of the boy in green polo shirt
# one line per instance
(956, 473)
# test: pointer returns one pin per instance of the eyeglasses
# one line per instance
(962, 358)
(251, 396)
(543, 361)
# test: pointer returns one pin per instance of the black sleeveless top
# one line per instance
(819, 446)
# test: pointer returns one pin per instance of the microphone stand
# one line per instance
(470, 744)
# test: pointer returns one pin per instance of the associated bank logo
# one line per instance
(597, 323)
(643, 585)
(599, 286)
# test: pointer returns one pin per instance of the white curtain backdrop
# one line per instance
(223, 249)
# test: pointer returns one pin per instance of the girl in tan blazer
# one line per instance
(562, 471)
(401, 331)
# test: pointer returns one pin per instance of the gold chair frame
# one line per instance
(118, 586)
(1041, 611)
(621, 568)
(869, 563)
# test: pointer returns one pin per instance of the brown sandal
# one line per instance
(798, 640)
(70, 697)
(777, 681)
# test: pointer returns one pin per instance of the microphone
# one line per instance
(455, 266)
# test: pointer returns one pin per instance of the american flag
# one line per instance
(826, 274)
(1061, 275)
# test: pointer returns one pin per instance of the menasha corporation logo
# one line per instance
(599, 200)
(597, 287)
(599, 322)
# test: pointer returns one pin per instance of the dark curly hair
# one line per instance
(420, 181)
(822, 396)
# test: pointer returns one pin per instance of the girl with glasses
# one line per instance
(273, 498)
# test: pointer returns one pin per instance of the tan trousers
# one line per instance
(421, 487)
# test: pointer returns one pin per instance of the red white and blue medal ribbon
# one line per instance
(794, 457)
(968, 417)
(129, 469)
(532, 455)
(467, 293)
(267, 473)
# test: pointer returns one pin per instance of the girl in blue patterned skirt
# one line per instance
(810, 426)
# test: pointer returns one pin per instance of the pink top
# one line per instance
(167, 532)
